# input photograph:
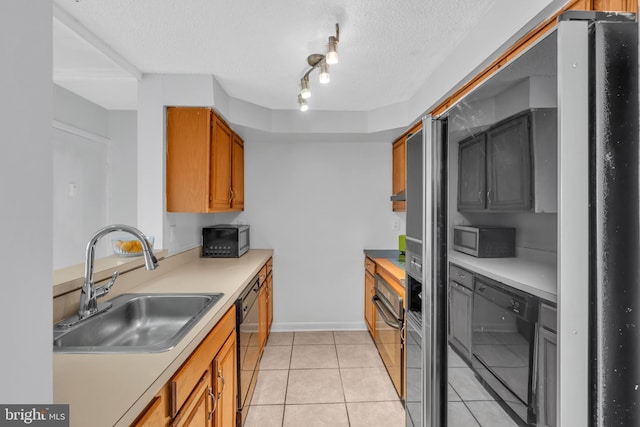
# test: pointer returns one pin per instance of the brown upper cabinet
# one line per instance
(205, 162)
(399, 169)
(399, 176)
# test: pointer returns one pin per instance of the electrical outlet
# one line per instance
(72, 189)
(395, 224)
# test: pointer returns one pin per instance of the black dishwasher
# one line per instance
(503, 338)
(248, 347)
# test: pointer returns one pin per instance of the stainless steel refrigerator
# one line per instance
(596, 227)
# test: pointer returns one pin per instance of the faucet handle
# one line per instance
(103, 290)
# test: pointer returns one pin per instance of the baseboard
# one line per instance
(317, 326)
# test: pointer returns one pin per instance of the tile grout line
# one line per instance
(286, 391)
(344, 394)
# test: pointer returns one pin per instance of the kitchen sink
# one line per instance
(135, 323)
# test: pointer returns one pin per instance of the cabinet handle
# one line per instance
(489, 196)
(215, 402)
(462, 276)
(230, 194)
(480, 198)
(222, 379)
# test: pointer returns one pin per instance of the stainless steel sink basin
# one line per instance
(136, 323)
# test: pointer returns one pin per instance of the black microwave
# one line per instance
(225, 241)
(485, 241)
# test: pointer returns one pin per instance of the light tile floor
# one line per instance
(337, 379)
(323, 379)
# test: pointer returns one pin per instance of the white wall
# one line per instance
(123, 188)
(94, 150)
(318, 205)
(81, 163)
(26, 194)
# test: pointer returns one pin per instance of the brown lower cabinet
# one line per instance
(269, 302)
(203, 391)
(265, 304)
(369, 291)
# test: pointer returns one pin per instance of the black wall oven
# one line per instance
(503, 337)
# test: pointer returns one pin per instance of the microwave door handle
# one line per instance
(384, 312)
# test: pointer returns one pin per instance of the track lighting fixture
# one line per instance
(322, 62)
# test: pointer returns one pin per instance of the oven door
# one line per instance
(389, 339)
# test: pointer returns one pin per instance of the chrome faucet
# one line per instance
(89, 294)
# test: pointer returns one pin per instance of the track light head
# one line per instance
(305, 91)
(302, 103)
(332, 51)
(324, 76)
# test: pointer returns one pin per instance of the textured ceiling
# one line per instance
(257, 49)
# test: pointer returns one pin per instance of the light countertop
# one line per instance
(112, 389)
(531, 271)
(390, 261)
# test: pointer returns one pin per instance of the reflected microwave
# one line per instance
(485, 241)
(225, 241)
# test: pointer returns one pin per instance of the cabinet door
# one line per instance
(220, 181)
(237, 174)
(509, 166)
(153, 416)
(262, 317)
(197, 411)
(224, 369)
(399, 177)
(547, 377)
(188, 157)
(269, 303)
(460, 306)
(471, 174)
(369, 308)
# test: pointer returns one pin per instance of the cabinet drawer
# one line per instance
(269, 266)
(370, 266)
(153, 415)
(461, 276)
(188, 376)
(548, 317)
(197, 410)
(262, 275)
